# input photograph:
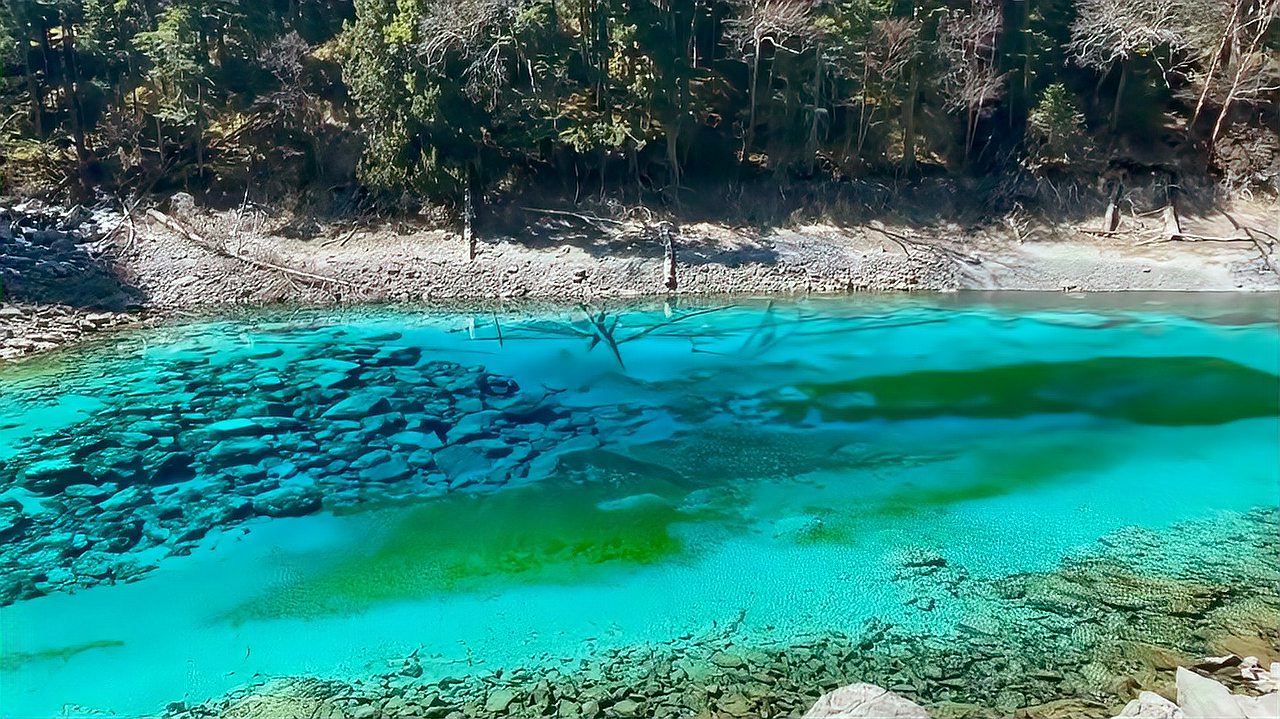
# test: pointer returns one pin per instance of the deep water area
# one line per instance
(988, 504)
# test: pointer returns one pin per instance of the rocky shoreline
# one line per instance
(1109, 624)
(54, 287)
(71, 272)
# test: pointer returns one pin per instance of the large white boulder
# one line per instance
(864, 701)
(1203, 698)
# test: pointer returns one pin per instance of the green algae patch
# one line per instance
(1166, 391)
(991, 473)
(12, 661)
(466, 543)
(710, 454)
(1028, 465)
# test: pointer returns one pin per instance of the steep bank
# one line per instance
(68, 273)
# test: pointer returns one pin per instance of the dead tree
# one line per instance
(666, 233)
(968, 42)
(1108, 34)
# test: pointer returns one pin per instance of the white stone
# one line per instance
(864, 701)
(1202, 698)
(1150, 705)
(1266, 706)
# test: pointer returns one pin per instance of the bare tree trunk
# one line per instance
(1172, 227)
(1264, 24)
(200, 129)
(749, 134)
(1124, 80)
(669, 255)
(812, 150)
(864, 122)
(37, 99)
(71, 86)
(909, 123)
(1111, 218)
(1218, 57)
(468, 218)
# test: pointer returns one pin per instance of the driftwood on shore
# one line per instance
(198, 239)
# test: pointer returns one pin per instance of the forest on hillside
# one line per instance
(356, 105)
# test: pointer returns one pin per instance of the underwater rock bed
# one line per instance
(209, 443)
(895, 494)
(1078, 641)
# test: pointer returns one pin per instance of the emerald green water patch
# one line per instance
(1167, 391)
(542, 534)
(709, 454)
(1031, 464)
(12, 661)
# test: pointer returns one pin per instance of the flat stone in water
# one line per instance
(53, 475)
(287, 502)
(242, 427)
(358, 406)
(391, 470)
(420, 440)
(237, 450)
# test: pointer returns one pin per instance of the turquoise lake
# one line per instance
(187, 509)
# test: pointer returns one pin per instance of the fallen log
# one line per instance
(579, 215)
(195, 237)
(1265, 251)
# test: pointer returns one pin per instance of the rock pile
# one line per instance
(1202, 698)
(54, 284)
(205, 442)
(49, 255)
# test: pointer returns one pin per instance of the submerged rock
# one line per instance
(288, 502)
(53, 475)
(234, 428)
(358, 406)
(238, 450)
(500, 699)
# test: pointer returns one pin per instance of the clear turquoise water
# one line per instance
(763, 462)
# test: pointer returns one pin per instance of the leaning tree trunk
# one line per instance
(1124, 80)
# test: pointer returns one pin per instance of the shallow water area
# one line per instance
(327, 493)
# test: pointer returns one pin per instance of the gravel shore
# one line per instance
(72, 272)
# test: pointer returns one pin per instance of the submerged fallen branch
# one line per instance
(181, 229)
